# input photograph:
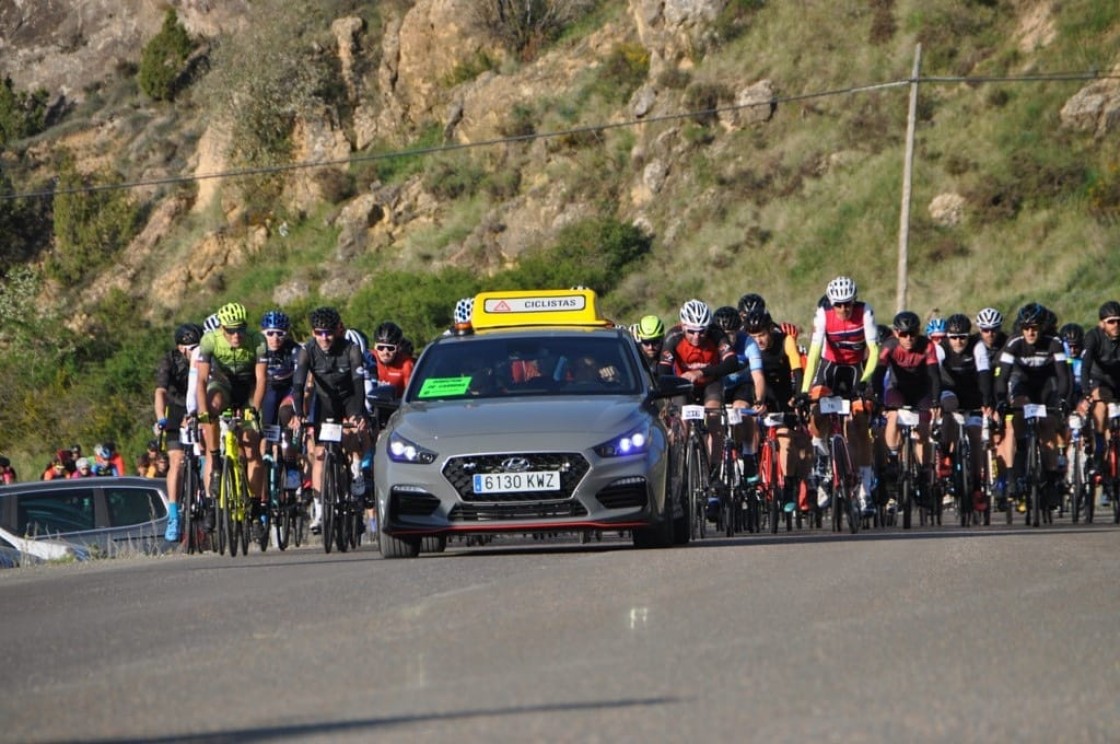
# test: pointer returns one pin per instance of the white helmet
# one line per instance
(356, 337)
(696, 313)
(989, 318)
(464, 309)
(211, 323)
(841, 289)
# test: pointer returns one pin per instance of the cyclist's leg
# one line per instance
(218, 393)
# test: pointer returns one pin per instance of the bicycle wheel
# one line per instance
(696, 497)
(243, 512)
(846, 489)
(905, 485)
(284, 520)
(188, 505)
(329, 496)
(962, 467)
(227, 526)
(1076, 482)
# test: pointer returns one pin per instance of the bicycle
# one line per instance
(910, 478)
(771, 470)
(1077, 475)
(342, 513)
(234, 509)
(1033, 480)
(193, 503)
(842, 480)
(730, 479)
(1111, 462)
(697, 469)
(283, 481)
(960, 480)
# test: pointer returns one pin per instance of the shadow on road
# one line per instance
(273, 733)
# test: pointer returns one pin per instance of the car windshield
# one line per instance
(505, 367)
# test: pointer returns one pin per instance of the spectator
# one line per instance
(75, 452)
(162, 465)
(107, 461)
(145, 466)
(7, 475)
(56, 468)
(83, 468)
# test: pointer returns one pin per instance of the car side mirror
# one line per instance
(670, 386)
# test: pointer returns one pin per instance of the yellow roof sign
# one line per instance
(538, 307)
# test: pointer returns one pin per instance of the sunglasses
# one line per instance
(385, 347)
(989, 330)
(904, 334)
(958, 337)
(1030, 329)
(190, 347)
(650, 341)
(693, 331)
(842, 304)
(323, 332)
(1111, 321)
(235, 330)
(276, 334)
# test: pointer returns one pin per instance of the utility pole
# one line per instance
(907, 174)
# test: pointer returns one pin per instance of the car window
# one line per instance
(52, 512)
(129, 505)
(514, 367)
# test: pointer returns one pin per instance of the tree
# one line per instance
(21, 114)
(163, 58)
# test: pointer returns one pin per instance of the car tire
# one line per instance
(398, 547)
(434, 544)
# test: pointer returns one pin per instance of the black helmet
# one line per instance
(1031, 314)
(751, 301)
(1072, 334)
(728, 318)
(389, 333)
(1110, 309)
(188, 334)
(907, 322)
(325, 318)
(758, 321)
(958, 323)
(883, 332)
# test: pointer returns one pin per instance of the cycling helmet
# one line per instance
(1072, 334)
(325, 317)
(232, 314)
(103, 451)
(935, 327)
(1031, 314)
(1110, 309)
(650, 328)
(751, 301)
(841, 289)
(758, 321)
(356, 337)
(188, 334)
(728, 318)
(988, 319)
(389, 333)
(958, 323)
(907, 322)
(211, 323)
(275, 319)
(464, 309)
(696, 314)
(883, 332)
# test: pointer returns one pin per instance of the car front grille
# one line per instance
(625, 494)
(467, 512)
(572, 466)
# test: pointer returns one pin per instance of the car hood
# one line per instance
(606, 416)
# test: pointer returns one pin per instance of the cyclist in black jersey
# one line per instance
(966, 384)
(170, 403)
(1100, 370)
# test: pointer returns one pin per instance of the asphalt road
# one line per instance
(992, 634)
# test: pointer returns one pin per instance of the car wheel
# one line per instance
(434, 544)
(398, 547)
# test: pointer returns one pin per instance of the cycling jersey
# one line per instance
(915, 378)
(967, 374)
(713, 356)
(396, 374)
(172, 374)
(339, 377)
(233, 363)
(1038, 372)
(739, 385)
(781, 366)
(280, 365)
(1100, 362)
(842, 342)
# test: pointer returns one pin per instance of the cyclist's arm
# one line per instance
(260, 373)
(816, 346)
(1065, 383)
(1087, 356)
(299, 380)
(797, 374)
(983, 374)
(200, 387)
(871, 337)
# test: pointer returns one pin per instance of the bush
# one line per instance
(595, 253)
(525, 27)
(91, 223)
(163, 58)
(21, 114)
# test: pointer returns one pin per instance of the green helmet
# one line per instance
(650, 328)
(232, 314)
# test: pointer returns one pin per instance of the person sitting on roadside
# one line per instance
(107, 461)
(7, 474)
(56, 468)
(83, 468)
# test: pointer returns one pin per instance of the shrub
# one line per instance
(624, 69)
(524, 27)
(163, 58)
(21, 114)
(595, 253)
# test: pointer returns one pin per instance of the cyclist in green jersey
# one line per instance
(231, 375)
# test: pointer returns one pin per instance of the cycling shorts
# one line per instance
(841, 379)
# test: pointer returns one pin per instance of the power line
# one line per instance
(773, 102)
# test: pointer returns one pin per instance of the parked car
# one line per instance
(109, 515)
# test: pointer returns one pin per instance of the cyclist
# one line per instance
(843, 353)
(279, 354)
(745, 387)
(989, 322)
(1033, 369)
(1073, 340)
(966, 385)
(781, 368)
(394, 368)
(935, 329)
(1100, 375)
(170, 403)
(338, 374)
(751, 302)
(650, 335)
(231, 375)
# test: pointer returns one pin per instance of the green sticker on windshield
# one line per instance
(439, 387)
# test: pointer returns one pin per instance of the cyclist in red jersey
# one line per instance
(393, 367)
(842, 357)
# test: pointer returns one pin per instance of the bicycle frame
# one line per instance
(843, 474)
(697, 468)
(234, 511)
(1077, 474)
(909, 470)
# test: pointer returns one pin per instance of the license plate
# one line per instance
(545, 480)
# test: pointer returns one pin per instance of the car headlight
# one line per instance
(402, 450)
(633, 442)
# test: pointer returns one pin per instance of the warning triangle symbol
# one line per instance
(502, 307)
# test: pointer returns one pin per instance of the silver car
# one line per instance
(110, 516)
(516, 429)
